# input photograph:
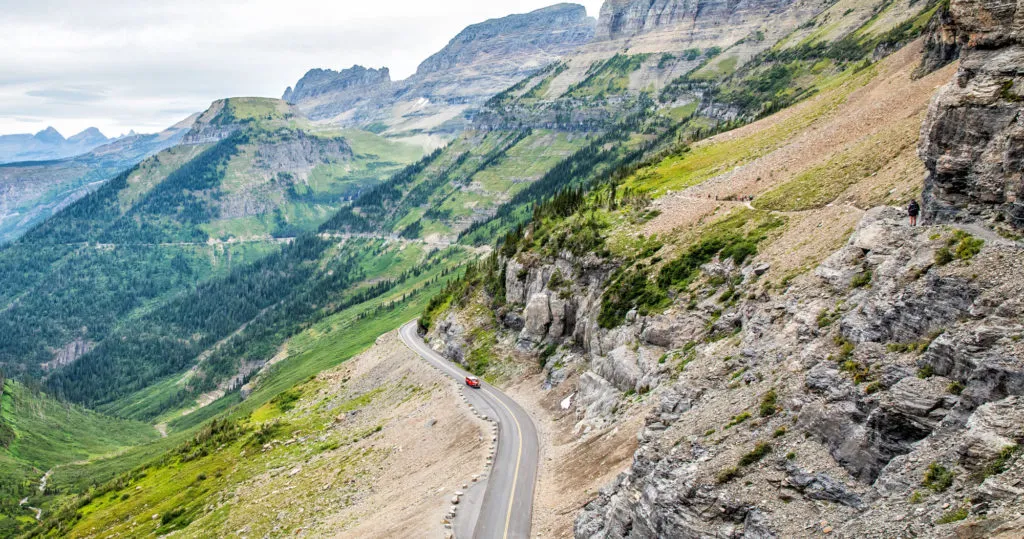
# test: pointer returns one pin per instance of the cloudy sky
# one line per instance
(144, 65)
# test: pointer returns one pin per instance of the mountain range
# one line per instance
(49, 144)
(675, 234)
(32, 191)
(440, 98)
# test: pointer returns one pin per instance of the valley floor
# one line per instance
(373, 448)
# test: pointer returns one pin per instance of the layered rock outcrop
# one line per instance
(878, 406)
(499, 44)
(622, 19)
(833, 401)
(973, 140)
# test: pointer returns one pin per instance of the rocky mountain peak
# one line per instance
(226, 116)
(49, 136)
(317, 82)
(554, 30)
(89, 136)
(478, 63)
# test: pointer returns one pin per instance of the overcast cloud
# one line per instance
(144, 65)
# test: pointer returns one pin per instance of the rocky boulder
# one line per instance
(991, 429)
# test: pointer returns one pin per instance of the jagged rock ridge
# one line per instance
(318, 82)
(481, 61)
(49, 144)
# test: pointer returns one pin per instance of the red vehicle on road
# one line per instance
(473, 381)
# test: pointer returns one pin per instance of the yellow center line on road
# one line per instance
(519, 456)
(519, 460)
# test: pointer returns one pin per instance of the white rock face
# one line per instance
(538, 317)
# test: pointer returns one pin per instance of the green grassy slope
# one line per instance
(187, 482)
(181, 218)
(43, 434)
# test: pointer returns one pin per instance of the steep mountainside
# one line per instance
(248, 178)
(804, 362)
(479, 62)
(48, 144)
(32, 192)
(382, 434)
(205, 289)
(629, 18)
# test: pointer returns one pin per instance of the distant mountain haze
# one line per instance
(32, 191)
(48, 144)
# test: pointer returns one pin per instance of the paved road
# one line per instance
(507, 508)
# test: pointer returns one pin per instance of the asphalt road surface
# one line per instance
(507, 508)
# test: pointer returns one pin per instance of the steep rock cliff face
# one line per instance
(874, 419)
(325, 93)
(627, 18)
(498, 44)
(317, 82)
(942, 42)
(973, 139)
(210, 127)
(823, 407)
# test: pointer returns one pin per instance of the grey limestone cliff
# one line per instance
(628, 18)
(356, 80)
(973, 140)
(508, 45)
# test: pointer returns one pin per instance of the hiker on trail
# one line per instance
(914, 209)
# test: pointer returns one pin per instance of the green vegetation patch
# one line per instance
(938, 478)
(736, 237)
(243, 109)
(737, 419)
(1001, 463)
(608, 77)
(759, 452)
(961, 246)
(769, 403)
(954, 515)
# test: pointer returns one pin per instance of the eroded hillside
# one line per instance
(803, 362)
